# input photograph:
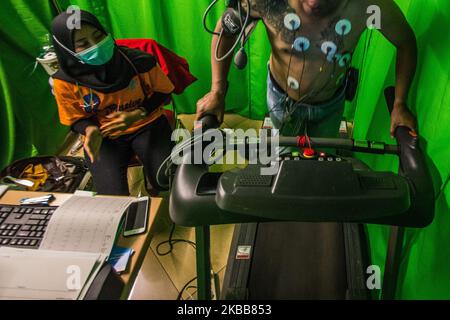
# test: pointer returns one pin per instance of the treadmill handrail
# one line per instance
(412, 166)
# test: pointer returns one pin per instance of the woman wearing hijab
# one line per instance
(113, 96)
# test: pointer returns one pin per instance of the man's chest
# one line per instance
(290, 29)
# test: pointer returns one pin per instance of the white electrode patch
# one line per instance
(301, 44)
(292, 21)
(343, 27)
(293, 83)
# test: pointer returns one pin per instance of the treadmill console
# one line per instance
(312, 155)
(313, 186)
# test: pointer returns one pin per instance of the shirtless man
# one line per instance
(306, 82)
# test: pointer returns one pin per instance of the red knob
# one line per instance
(309, 153)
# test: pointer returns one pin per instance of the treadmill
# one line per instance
(300, 233)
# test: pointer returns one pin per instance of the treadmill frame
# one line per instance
(352, 232)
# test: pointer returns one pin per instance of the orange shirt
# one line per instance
(79, 102)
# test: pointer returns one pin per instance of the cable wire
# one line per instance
(180, 294)
(172, 242)
(205, 16)
(231, 51)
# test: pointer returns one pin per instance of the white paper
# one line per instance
(85, 224)
(38, 274)
(100, 262)
(3, 189)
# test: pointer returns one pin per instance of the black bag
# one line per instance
(65, 174)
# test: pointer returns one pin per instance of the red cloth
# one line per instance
(174, 66)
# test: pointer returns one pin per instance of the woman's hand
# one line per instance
(121, 121)
(401, 116)
(93, 142)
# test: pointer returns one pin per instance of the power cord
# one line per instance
(191, 294)
(188, 286)
(171, 243)
(184, 288)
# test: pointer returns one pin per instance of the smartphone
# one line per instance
(136, 217)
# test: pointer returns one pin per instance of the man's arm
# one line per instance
(397, 30)
(214, 101)
(220, 69)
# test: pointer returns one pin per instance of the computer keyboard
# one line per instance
(23, 226)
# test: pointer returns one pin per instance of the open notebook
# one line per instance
(77, 242)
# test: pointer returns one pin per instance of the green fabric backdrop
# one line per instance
(29, 123)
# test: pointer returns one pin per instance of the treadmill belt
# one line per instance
(296, 260)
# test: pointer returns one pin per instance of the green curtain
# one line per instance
(28, 118)
(426, 262)
(29, 123)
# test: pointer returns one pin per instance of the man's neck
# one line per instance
(319, 13)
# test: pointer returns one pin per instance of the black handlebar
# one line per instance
(209, 121)
(413, 166)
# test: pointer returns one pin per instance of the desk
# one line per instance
(139, 243)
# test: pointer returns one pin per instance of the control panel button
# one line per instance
(309, 153)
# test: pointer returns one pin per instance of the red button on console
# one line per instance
(309, 153)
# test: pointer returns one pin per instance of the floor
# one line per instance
(162, 277)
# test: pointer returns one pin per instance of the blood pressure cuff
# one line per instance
(232, 21)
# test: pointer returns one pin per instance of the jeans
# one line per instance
(293, 118)
(152, 144)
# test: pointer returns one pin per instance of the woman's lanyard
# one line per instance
(143, 87)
